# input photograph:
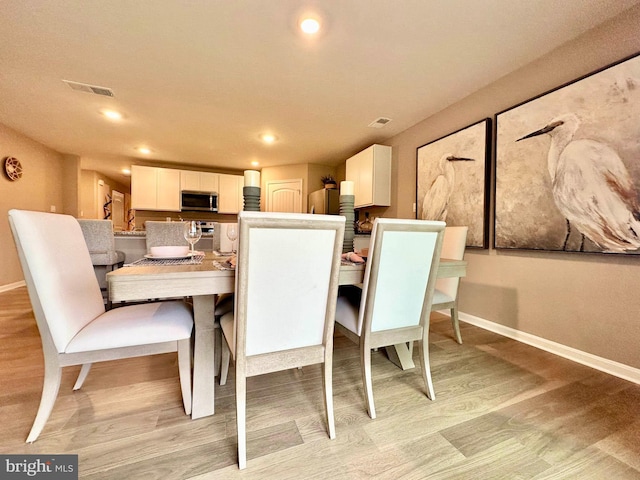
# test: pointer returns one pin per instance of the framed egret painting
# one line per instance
(452, 175)
(568, 166)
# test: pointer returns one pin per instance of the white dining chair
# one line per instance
(446, 292)
(394, 303)
(74, 327)
(286, 288)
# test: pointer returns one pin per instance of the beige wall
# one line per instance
(309, 173)
(40, 187)
(588, 302)
(71, 182)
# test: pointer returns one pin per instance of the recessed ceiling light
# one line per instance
(255, 163)
(126, 171)
(112, 114)
(310, 26)
(268, 138)
(144, 150)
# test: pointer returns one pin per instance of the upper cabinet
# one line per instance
(370, 172)
(199, 181)
(155, 188)
(230, 199)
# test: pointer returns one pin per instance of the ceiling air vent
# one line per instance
(379, 122)
(83, 87)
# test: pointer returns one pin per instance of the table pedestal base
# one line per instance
(203, 357)
(400, 355)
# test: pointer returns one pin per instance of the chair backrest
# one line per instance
(161, 234)
(286, 280)
(400, 274)
(453, 246)
(98, 234)
(62, 285)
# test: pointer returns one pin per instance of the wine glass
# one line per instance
(232, 234)
(192, 233)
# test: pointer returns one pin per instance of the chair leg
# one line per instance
(224, 360)
(426, 367)
(82, 376)
(184, 369)
(365, 360)
(241, 418)
(327, 383)
(456, 324)
(218, 340)
(50, 388)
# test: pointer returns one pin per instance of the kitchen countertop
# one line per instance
(142, 233)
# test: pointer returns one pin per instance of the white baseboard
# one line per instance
(11, 286)
(608, 366)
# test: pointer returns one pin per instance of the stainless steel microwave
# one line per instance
(200, 201)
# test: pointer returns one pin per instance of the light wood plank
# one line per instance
(504, 410)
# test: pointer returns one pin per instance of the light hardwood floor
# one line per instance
(503, 410)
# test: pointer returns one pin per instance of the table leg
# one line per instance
(203, 357)
(400, 355)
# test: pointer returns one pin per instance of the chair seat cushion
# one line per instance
(348, 308)
(135, 325)
(441, 297)
(108, 258)
(227, 324)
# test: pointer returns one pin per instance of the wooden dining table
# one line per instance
(203, 282)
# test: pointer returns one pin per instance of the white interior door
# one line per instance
(284, 196)
(117, 210)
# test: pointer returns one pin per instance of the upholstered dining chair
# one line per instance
(74, 327)
(394, 303)
(160, 234)
(224, 302)
(98, 234)
(284, 304)
(446, 293)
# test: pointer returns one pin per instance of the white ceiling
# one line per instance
(199, 81)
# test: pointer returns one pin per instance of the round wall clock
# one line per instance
(12, 168)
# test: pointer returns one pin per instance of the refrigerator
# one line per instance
(325, 201)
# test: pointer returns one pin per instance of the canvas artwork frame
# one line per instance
(452, 175)
(567, 166)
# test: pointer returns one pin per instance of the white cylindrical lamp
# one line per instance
(346, 187)
(251, 178)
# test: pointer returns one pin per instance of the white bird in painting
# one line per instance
(591, 187)
(435, 204)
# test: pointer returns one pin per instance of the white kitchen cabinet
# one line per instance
(209, 182)
(190, 180)
(144, 186)
(155, 188)
(230, 199)
(370, 172)
(199, 181)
